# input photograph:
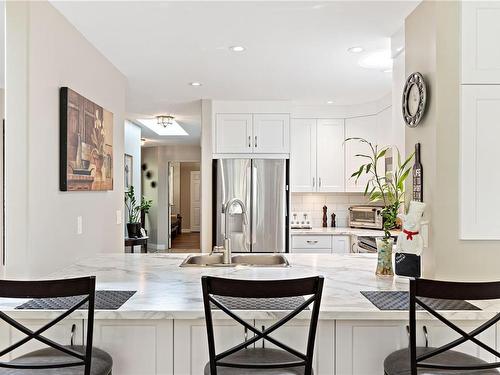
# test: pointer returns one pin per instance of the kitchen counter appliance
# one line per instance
(368, 217)
(261, 184)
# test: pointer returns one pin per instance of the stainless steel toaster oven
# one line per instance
(366, 217)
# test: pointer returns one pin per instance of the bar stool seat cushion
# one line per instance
(258, 355)
(102, 362)
(398, 363)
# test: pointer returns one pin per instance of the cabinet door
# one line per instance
(438, 334)
(138, 347)
(341, 244)
(330, 156)
(271, 134)
(303, 155)
(233, 133)
(361, 346)
(60, 333)
(479, 181)
(359, 127)
(294, 334)
(191, 345)
(480, 52)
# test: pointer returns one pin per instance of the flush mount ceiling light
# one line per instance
(355, 49)
(172, 130)
(165, 120)
(195, 84)
(380, 60)
(237, 48)
(329, 102)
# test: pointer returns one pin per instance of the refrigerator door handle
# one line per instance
(253, 200)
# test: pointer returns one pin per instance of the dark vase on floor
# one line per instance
(134, 230)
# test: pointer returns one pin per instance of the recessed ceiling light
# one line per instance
(329, 102)
(380, 60)
(387, 71)
(356, 49)
(196, 84)
(237, 48)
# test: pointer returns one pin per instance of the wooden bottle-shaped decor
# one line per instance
(418, 177)
(325, 220)
(333, 223)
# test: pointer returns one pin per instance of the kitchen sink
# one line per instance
(250, 260)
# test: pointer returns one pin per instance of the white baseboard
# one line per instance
(185, 230)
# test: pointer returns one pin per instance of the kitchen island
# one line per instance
(160, 330)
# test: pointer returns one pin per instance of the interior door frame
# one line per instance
(169, 221)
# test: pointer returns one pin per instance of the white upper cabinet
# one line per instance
(303, 155)
(247, 133)
(358, 127)
(233, 133)
(271, 133)
(330, 156)
(480, 52)
(479, 181)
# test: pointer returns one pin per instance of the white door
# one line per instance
(330, 156)
(303, 155)
(480, 52)
(363, 345)
(479, 181)
(233, 133)
(271, 133)
(341, 244)
(438, 334)
(195, 201)
(191, 343)
(358, 127)
(138, 347)
(295, 333)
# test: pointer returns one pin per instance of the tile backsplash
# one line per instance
(337, 203)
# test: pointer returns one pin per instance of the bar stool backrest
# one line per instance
(311, 287)
(450, 290)
(84, 287)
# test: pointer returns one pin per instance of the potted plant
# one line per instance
(388, 188)
(134, 212)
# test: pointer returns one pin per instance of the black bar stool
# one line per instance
(56, 359)
(415, 360)
(242, 360)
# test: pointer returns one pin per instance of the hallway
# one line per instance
(186, 243)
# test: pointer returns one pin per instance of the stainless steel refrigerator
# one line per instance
(261, 184)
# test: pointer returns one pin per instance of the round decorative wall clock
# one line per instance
(414, 99)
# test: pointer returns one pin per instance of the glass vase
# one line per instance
(384, 261)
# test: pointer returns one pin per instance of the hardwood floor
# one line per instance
(186, 243)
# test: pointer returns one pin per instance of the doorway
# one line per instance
(184, 206)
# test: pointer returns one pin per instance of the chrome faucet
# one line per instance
(227, 240)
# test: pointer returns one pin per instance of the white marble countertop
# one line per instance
(339, 231)
(166, 291)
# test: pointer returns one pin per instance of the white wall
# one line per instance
(45, 53)
(132, 146)
(158, 158)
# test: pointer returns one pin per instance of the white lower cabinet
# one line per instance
(322, 244)
(341, 244)
(191, 345)
(294, 334)
(361, 346)
(438, 334)
(60, 333)
(138, 347)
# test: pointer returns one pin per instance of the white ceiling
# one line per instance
(294, 50)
